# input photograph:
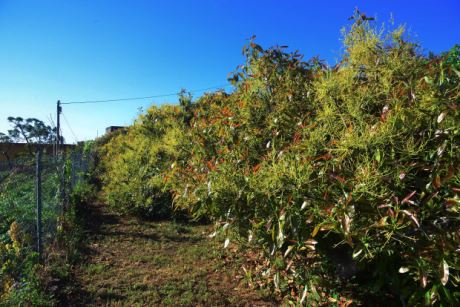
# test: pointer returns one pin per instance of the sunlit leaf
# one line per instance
(423, 280)
(456, 72)
(346, 220)
(411, 216)
(315, 231)
(250, 237)
(288, 250)
(408, 197)
(356, 254)
(304, 205)
(441, 117)
(304, 295)
(276, 280)
(403, 270)
(444, 272)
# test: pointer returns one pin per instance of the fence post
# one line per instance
(38, 191)
(73, 175)
(63, 183)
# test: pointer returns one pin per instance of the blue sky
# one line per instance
(94, 49)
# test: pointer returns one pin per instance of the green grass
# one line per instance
(18, 201)
(96, 268)
(18, 206)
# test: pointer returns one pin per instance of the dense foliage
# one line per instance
(350, 172)
(134, 162)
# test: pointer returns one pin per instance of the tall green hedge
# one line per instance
(134, 161)
(350, 170)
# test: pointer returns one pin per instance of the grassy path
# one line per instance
(137, 263)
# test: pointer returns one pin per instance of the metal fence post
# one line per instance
(38, 191)
(60, 170)
(63, 183)
(73, 169)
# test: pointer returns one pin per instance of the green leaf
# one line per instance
(456, 71)
(377, 155)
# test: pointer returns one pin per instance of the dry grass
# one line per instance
(138, 263)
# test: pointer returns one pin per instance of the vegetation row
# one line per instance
(346, 177)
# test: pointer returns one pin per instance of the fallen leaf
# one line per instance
(437, 182)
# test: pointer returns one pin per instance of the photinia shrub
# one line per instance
(344, 173)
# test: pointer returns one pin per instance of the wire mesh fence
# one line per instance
(35, 192)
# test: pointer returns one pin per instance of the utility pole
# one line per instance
(58, 127)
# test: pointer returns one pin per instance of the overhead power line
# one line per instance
(70, 128)
(144, 97)
(53, 125)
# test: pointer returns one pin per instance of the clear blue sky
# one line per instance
(94, 49)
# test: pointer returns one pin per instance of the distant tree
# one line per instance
(31, 131)
(5, 139)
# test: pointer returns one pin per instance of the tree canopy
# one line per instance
(30, 131)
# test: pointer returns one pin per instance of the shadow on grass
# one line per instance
(132, 235)
(91, 218)
(181, 239)
(111, 297)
